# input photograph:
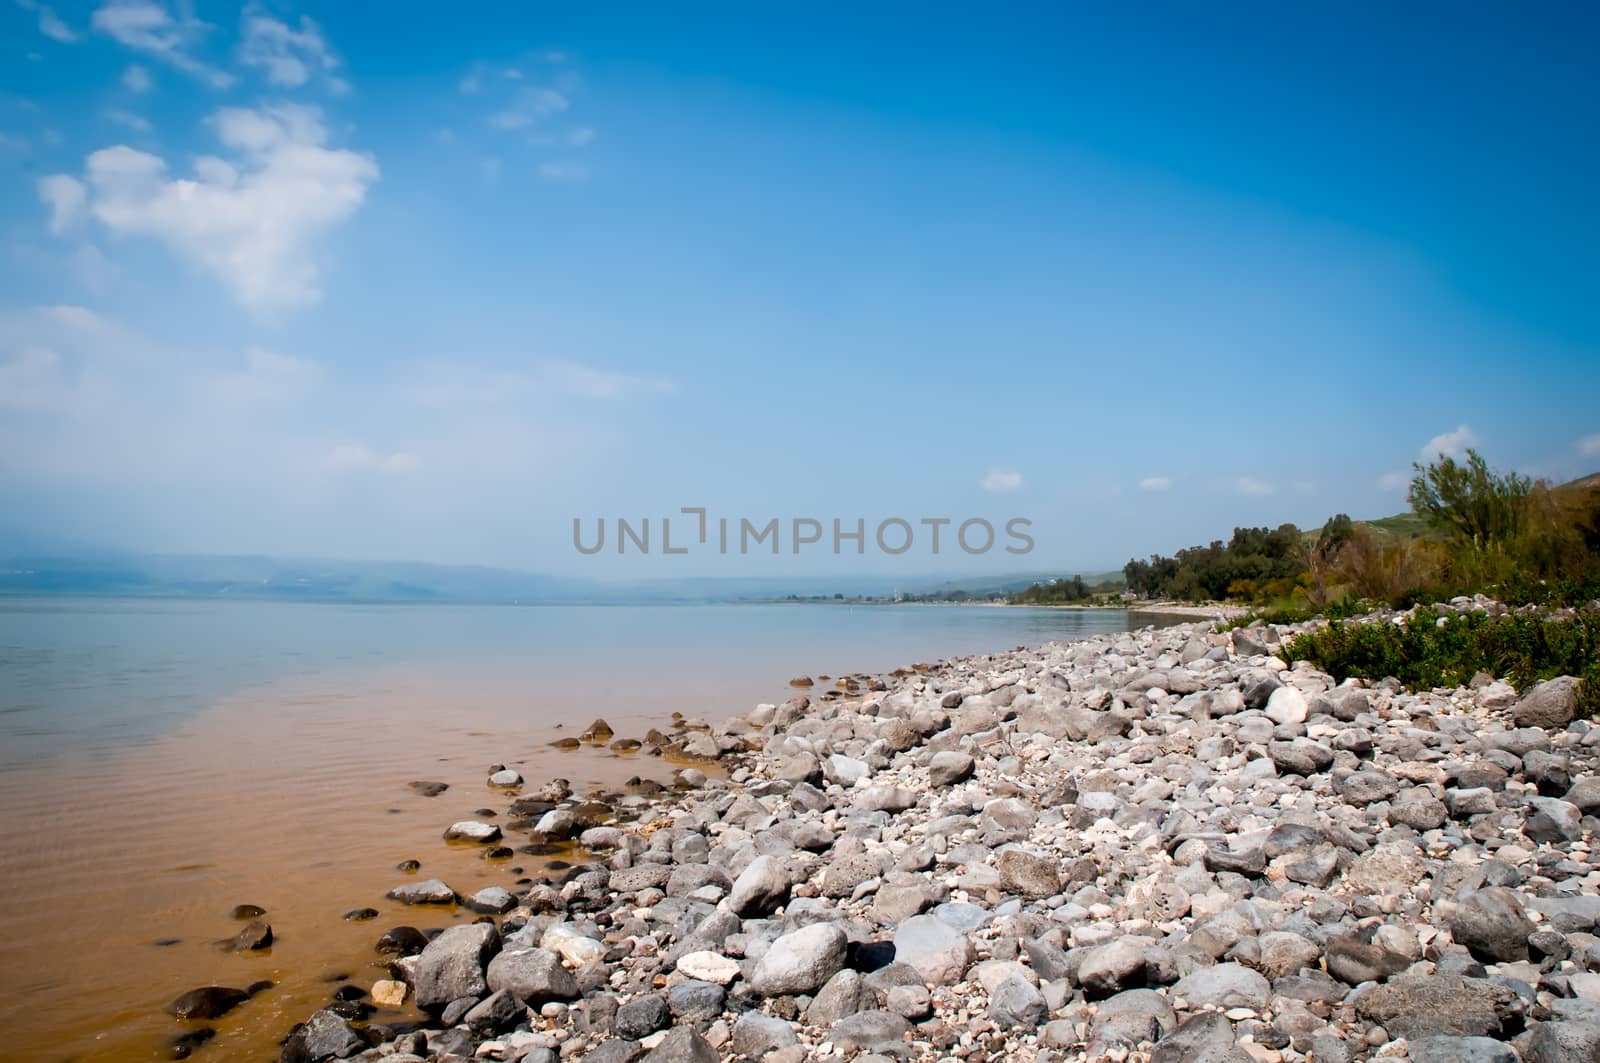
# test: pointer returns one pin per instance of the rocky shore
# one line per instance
(1163, 845)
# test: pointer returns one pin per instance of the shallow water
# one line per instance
(164, 761)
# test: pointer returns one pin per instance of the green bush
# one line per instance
(1433, 650)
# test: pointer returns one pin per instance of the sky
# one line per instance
(301, 280)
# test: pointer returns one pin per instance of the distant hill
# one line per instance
(259, 578)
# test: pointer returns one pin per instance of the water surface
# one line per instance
(163, 761)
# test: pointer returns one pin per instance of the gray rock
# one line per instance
(1364, 788)
(755, 1034)
(1585, 795)
(429, 891)
(868, 1030)
(533, 976)
(1300, 756)
(323, 1036)
(1553, 821)
(1047, 960)
(694, 1001)
(1282, 953)
(640, 877)
(1567, 1041)
(1491, 923)
(496, 1012)
(491, 900)
(1029, 874)
(1460, 1050)
(885, 799)
(682, 1045)
(936, 950)
(760, 888)
(1015, 1002)
(1418, 810)
(1203, 1038)
(452, 966)
(1113, 967)
(1136, 1016)
(1441, 1005)
(845, 994)
(799, 962)
(948, 768)
(1551, 705)
(642, 1016)
(1227, 985)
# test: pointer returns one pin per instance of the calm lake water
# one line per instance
(164, 761)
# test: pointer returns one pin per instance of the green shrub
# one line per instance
(1432, 650)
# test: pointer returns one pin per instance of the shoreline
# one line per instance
(989, 856)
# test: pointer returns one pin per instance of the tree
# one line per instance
(1470, 501)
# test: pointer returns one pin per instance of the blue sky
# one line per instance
(298, 280)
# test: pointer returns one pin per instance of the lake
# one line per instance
(163, 761)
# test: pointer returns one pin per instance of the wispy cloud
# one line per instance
(1249, 485)
(1155, 483)
(1589, 446)
(528, 106)
(266, 377)
(254, 221)
(360, 458)
(1449, 444)
(1002, 481)
(567, 170)
(136, 122)
(66, 197)
(147, 26)
(289, 56)
(136, 79)
(50, 24)
(1394, 481)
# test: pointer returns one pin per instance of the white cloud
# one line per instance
(289, 56)
(50, 23)
(583, 381)
(66, 197)
(254, 220)
(1155, 483)
(1249, 485)
(146, 26)
(267, 377)
(1589, 446)
(360, 458)
(136, 122)
(1449, 444)
(579, 138)
(1002, 481)
(563, 170)
(1394, 481)
(528, 106)
(136, 79)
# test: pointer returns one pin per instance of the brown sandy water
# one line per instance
(284, 739)
(296, 810)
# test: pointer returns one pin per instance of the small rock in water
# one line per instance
(471, 830)
(255, 936)
(389, 993)
(599, 731)
(207, 1002)
(429, 788)
(408, 866)
(505, 778)
(244, 912)
(431, 891)
(361, 915)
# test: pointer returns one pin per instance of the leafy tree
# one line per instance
(1470, 501)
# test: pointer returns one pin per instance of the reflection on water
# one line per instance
(162, 762)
